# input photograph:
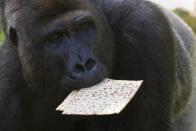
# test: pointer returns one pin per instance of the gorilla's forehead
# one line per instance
(30, 12)
(13, 6)
(39, 7)
(51, 6)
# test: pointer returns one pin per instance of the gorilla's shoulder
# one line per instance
(126, 13)
(145, 16)
(180, 29)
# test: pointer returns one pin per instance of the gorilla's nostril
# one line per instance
(90, 64)
(78, 68)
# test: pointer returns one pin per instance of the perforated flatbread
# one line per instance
(108, 97)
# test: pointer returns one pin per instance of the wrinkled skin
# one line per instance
(52, 47)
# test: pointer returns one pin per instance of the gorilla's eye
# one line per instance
(67, 33)
(56, 37)
(60, 35)
(85, 26)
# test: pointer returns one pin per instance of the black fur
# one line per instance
(131, 40)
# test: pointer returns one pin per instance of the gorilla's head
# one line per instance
(62, 44)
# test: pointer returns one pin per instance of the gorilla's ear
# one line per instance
(13, 36)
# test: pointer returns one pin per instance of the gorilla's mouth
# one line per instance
(69, 84)
(83, 80)
(106, 98)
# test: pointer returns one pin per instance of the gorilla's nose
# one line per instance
(83, 67)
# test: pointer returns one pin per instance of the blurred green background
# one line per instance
(185, 15)
(1, 35)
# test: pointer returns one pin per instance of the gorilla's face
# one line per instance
(63, 45)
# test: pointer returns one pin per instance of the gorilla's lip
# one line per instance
(82, 83)
(85, 81)
(68, 85)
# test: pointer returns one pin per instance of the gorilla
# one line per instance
(52, 47)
